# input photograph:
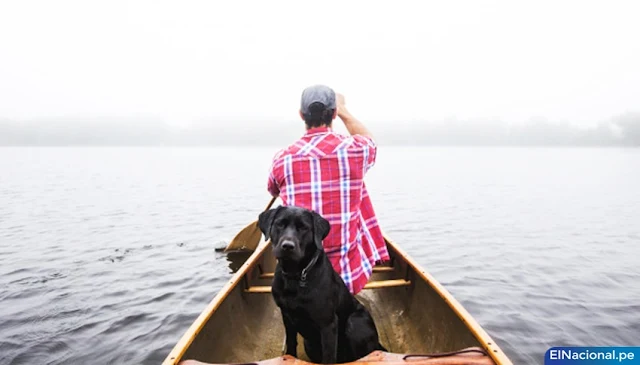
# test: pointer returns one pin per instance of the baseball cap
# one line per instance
(317, 94)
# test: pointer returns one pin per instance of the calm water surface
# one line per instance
(107, 254)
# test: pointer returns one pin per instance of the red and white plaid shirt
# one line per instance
(324, 171)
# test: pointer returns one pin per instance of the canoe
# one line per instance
(418, 320)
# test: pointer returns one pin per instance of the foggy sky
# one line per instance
(181, 62)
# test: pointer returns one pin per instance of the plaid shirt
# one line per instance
(324, 171)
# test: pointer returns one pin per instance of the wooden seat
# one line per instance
(269, 275)
(370, 285)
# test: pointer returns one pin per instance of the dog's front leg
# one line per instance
(291, 336)
(329, 336)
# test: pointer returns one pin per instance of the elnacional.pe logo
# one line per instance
(592, 355)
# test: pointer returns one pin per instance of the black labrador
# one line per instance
(313, 299)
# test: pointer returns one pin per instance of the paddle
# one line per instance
(249, 238)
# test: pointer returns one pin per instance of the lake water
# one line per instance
(107, 254)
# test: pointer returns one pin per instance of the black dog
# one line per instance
(312, 297)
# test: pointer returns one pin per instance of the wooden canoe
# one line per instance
(418, 320)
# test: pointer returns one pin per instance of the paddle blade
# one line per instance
(247, 239)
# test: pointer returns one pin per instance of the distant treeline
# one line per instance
(622, 130)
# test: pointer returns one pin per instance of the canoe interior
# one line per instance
(411, 319)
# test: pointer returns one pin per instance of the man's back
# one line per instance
(324, 171)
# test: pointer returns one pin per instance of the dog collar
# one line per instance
(303, 275)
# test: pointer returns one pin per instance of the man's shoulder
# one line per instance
(349, 140)
(280, 153)
(301, 145)
(358, 142)
(329, 144)
(362, 139)
(289, 150)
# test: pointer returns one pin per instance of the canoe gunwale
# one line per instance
(187, 338)
(493, 350)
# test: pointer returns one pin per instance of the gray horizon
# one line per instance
(619, 130)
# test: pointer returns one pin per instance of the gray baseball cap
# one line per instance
(317, 94)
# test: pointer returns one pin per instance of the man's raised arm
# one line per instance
(360, 133)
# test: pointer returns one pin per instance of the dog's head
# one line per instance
(294, 232)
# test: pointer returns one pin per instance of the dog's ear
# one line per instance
(321, 228)
(265, 221)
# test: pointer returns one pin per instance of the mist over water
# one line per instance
(619, 130)
(107, 254)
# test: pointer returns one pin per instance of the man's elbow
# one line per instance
(273, 190)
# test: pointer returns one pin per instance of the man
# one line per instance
(324, 171)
